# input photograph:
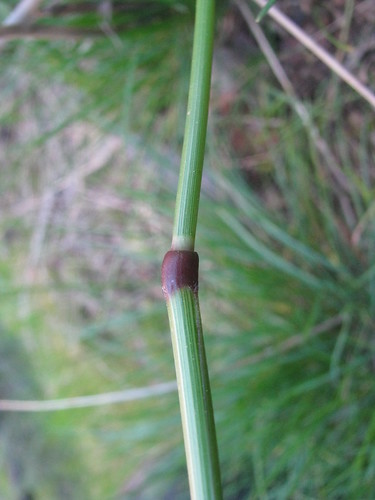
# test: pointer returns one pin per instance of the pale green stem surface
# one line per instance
(187, 202)
(195, 396)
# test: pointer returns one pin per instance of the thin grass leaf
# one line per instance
(268, 255)
(263, 12)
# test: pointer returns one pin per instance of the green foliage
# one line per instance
(145, 51)
(33, 462)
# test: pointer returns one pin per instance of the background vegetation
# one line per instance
(90, 133)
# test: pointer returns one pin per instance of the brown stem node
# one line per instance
(179, 270)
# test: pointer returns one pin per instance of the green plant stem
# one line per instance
(188, 193)
(180, 277)
(194, 395)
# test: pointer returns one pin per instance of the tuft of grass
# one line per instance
(145, 52)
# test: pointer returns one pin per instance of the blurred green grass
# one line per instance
(91, 142)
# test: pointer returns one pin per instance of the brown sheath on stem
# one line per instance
(179, 270)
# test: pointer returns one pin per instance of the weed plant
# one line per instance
(286, 280)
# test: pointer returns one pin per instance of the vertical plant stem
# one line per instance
(189, 185)
(180, 277)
